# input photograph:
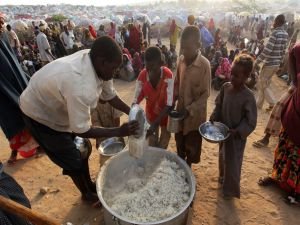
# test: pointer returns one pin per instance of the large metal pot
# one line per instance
(118, 169)
(175, 122)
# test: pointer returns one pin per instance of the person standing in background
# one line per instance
(14, 42)
(44, 47)
(271, 58)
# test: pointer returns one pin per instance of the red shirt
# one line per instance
(156, 98)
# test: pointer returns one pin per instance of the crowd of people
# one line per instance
(69, 92)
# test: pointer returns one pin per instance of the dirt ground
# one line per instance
(257, 205)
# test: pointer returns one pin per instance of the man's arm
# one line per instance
(126, 129)
(268, 49)
(118, 103)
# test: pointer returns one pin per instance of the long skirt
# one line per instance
(286, 167)
(274, 123)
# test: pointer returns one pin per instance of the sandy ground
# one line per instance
(256, 206)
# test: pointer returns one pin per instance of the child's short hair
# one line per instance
(245, 61)
(153, 54)
(190, 31)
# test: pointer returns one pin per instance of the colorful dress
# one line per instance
(286, 167)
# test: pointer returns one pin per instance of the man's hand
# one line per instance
(128, 129)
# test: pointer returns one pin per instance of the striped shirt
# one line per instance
(274, 51)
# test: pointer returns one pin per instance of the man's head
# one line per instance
(8, 27)
(279, 21)
(2, 23)
(106, 57)
(191, 20)
(190, 42)
(153, 60)
(36, 30)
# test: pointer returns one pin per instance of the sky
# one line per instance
(73, 2)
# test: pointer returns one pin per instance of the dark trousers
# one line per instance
(189, 146)
(59, 146)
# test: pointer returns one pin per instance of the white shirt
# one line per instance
(43, 44)
(62, 93)
(67, 39)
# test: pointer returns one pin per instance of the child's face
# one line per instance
(190, 48)
(238, 76)
(153, 68)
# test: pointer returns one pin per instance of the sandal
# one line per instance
(291, 200)
(259, 144)
(265, 181)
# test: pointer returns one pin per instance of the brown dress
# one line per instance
(238, 111)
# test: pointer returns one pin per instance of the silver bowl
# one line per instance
(207, 129)
(111, 146)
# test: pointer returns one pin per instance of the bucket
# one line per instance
(109, 148)
(115, 173)
(175, 122)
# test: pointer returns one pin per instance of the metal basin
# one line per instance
(119, 169)
(208, 131)
(109, 148)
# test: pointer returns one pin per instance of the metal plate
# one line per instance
(111, 146)
(222, 128)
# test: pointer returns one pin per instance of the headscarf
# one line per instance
(224, 68)
(92, 31)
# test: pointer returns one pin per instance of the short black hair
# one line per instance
(280, 19)
(107, 48)
(8, 27)
(245, 61)
(191, 31)
(153, 54)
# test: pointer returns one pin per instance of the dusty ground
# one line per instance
(256, 206)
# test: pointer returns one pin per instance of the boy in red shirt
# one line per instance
(156, 84)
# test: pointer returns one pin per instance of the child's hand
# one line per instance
(151, 130)
(185, 113)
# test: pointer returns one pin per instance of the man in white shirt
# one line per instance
(44, 47)
(58, 101)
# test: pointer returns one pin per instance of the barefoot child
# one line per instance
(192, 90)
(236, 108)
(156, 85)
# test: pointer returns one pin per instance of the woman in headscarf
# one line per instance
(218, 39)
(101, 32)
(12, 83)
(174, 33)
(211, 26)
(134, 38)
(92, 31)
(222, 74)
(87, 39)
(286, 166)
(112, 31)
